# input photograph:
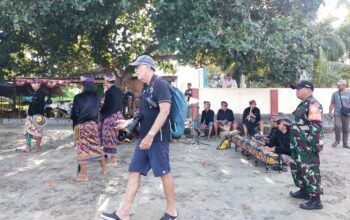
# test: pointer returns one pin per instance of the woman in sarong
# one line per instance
(111, 112)
(36, 108)
(86, 136)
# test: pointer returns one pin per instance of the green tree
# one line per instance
(266, 40)
(269, 41)
(59, 38)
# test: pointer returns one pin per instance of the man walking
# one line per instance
(36, 108)
(306, 143)
(341, 121)
(152, 148)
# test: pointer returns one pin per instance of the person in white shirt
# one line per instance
(229, 82)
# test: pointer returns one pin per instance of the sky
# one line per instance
(329, 9)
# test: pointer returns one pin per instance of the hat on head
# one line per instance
(341, 82)
(303, 84)
(285, 121)
(144, 59)
(87, 79)
(109, 77)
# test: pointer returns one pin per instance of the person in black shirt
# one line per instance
(86, 136)
(111, 112)
(282, 146)
(36, 107)
(251, 119)
(272, 138)
(224, 118)
(188, 92)
(207, 119)
(152, 148)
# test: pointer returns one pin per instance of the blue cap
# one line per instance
(303, 84)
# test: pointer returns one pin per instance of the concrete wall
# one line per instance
(238, 98)
(50, 122)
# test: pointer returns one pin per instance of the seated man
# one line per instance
(283, 146)
(272, 139)
(206, 119)
(251, 119)
(229, 82)
(225, 118)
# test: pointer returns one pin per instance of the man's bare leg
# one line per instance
(104, 167)
(209, 132)
(82, 176)
(114, 160)
(131, 190)
(245, 129)
(169, 190)
(37, 145)
(261, 127)
(216, 128)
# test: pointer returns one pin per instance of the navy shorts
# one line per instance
(157, 158)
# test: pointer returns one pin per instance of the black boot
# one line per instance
(314, 203)
(301, 194)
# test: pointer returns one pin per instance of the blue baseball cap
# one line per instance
(303, 84)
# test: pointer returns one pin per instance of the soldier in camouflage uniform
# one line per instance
(306, 143)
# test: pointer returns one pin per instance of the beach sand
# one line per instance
(210, 184)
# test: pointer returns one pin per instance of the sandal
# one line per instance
(166, 216)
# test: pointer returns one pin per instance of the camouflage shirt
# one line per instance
(307, 130)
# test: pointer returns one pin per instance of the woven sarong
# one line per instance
(29, 128)
(87, 144)
(109, 134)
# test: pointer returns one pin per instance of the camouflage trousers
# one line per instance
(306, 175)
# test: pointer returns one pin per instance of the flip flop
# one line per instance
(166, 216)
(110, 216)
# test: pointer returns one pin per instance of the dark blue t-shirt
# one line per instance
(158, 93)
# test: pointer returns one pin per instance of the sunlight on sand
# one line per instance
(38, 162)
(35, 164)
(244, 161)
(9, 156)
(225, 172)
(104, 204)
(267, 179)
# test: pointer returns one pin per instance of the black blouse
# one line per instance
(113, 102)
(37, 105)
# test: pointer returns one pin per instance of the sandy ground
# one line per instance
(210, 184)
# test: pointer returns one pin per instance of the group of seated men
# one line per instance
(278, 140)
(225, 120)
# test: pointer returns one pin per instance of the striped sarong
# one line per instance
(87, 144)
(109, 134)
